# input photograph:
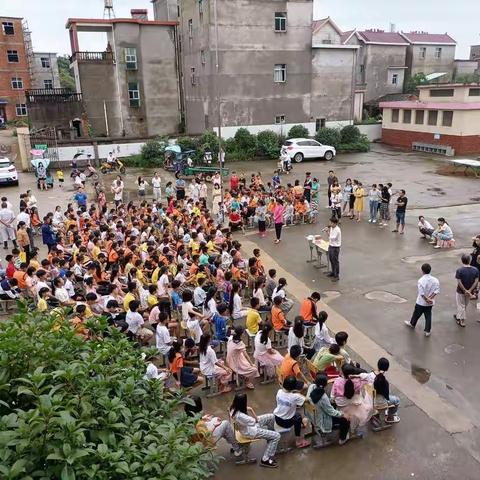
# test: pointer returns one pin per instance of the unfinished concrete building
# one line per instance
(130, 88)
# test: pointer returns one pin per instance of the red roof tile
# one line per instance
(345, 36)
(424, 37)
(376, 36)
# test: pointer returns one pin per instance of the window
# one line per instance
(12, 56)
(442, 92)
(319, 123)
(21, 109)
(279, 119)
(280, 73)
(395, 115)
(423, 52)
(474, 92)
(131, 58)
(419, 117)
(17, 83)
(432, 117)
(200, 9)
(280, 21)
(438, 52)
(190, 28)
(203, 57)
(193, 77)
(48, 84)
(407, 116)
(394, 78)
(8, 28)
(134, 94)
(362, 68)
(447, 118)
(45, 62)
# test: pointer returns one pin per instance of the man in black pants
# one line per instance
(428, 288)
(335, 242)
(330, 181)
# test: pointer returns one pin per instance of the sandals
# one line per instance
(459, 321)
(395, 419)
(302, 444)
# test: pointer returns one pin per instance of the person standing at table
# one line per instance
(334, 244)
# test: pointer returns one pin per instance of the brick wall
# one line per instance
(404, 139)
(9, 70)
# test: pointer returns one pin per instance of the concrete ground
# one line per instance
(438, 437)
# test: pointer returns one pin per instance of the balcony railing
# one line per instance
(52, 95)
(93, 57)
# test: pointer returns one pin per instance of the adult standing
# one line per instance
(467, 283)
(179, 187)
(278, 212)
(401, 205)
(330, 181)
(334, 244)
(117, 190)
(24, 217)
(157, 187)
(384, 206)
(359, 193)
(475, 262)
(428, 288)
(7, 231)
(48, 234)
(374, 198)
(307, 187)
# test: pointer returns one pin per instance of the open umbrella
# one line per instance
(44, 161)
(173, 148)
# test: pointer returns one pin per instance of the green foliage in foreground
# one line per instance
(74, 409)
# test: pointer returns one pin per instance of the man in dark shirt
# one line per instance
(467, 281)
(401, 204)
(330, 180)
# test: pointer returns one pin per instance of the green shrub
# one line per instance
(246, 144)
(137, 161)
(73, 409)
(187, 143)
(361, 145)
(152, 150)
(267, 142)
(208, 142)
(328, 136)
(349, 134)
(298, 131)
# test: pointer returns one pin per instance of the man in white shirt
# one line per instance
(157, 187)
(7, 231)
(163, 339)
(428, 288)
(334, 244)
(425, 227)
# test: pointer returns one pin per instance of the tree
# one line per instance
(349, 134)
(268, 145)
(298, 131)
(328, 136)
(66, 78)
(246, 144)
(413, 82)
(77, 409)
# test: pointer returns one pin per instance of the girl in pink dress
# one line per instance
(238, 359)
(264, 354)
(278, 212)
(350, 396)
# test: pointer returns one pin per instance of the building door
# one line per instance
(3, 114)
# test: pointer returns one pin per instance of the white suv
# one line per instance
(299, 148)
(8, 172)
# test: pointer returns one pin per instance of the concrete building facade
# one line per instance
(45, 74)
(15, 72)
(445, 118)
(130, 88)
(429, 53)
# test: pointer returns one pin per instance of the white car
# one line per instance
(299, 148)
(8, 172)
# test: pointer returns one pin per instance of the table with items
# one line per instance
(320, 246)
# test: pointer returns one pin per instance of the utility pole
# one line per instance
(217, 81)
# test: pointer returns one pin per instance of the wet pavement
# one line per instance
(376, 293)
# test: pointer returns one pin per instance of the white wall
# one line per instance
(65, 154)
(372, 131)
(229, 131)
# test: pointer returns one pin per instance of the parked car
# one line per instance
(8, 172)
(299, 148)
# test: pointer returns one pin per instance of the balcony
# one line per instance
(52, 95)
(92, 57)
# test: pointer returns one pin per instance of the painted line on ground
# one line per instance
(429, 401)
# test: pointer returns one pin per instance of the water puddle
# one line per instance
(452, 348)
(385, 297)
(422, 375)
(453, 252)
(330, 295)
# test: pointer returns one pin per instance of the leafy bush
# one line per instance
(187, 143)
(361, 145)
(349, 134)
(72, 409)
(208, 142)
(137, 161)
(246, 144)
(267, 142)
(298, 131)
(328, 136)
(153, 150)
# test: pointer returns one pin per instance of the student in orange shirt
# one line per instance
(308, 310)
(290, 367)
(279, 322)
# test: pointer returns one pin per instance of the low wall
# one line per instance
(65, 154)
(373, 131)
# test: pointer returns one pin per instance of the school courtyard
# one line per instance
(436, 377)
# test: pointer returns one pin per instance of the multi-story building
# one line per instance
(276, 68)
(14, 69)
(380, 64)
(475, 56)
(430, 53)
(444, 119)
(131, 87)
(45, 71)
